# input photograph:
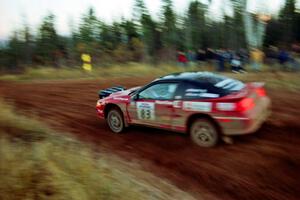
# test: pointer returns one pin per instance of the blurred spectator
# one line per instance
(294, 62)
(236, 65)
(296, 47)
(211, 57)
(284, 58)
(228, 56)
(244, 56)
(191, 57)
(210, 54)
(181, 59)
(271, 56)
(201, 56)
(257, 57)
(221, 60)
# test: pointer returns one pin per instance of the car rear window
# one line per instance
(211, 87)
(222, 82)
(230, 85)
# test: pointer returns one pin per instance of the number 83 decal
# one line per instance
(146, 110)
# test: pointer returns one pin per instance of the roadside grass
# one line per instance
(38, 163)
(273, 79)
(98, 72)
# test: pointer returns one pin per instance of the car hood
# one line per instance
(124, 93)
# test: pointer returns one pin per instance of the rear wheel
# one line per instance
(204, 133)
(115, 120)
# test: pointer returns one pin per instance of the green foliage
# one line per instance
(143, 38)
(285, 30)
(148, 28)
(14, 50)
(130, 30)
(47, 41)
(287, 18)
(195, 26)
(88, 32)
(110, 36)
(238, 39)
(137, 47)
(169, 34)
(88, 28)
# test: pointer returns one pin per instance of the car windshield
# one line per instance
(159, 91)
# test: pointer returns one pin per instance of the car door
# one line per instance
(154, 105)
(191, 98)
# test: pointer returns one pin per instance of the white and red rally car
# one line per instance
(203, 104)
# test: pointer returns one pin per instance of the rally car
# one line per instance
(203, 104)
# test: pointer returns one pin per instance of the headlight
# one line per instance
(99, 102)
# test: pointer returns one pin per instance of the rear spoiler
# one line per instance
(108, 91)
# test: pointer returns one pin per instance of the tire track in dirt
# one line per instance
(260, 166)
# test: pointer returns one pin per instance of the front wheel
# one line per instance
(204, 133)
(115, 120)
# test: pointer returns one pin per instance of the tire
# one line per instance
(115, 120)
(204, 133)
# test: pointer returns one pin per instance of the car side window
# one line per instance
(160, 91)
(198, 91)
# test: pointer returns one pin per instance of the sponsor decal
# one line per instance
(164, 102)
(192, 92)
(145, 110)
(197, 106)
(225, 106)
(120, 98)
(195, 90)
(205, 95)
(209, 95)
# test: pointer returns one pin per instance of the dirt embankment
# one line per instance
(265, 165)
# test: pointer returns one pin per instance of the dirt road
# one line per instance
(265, 165)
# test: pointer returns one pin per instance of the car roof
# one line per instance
(193, 76)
